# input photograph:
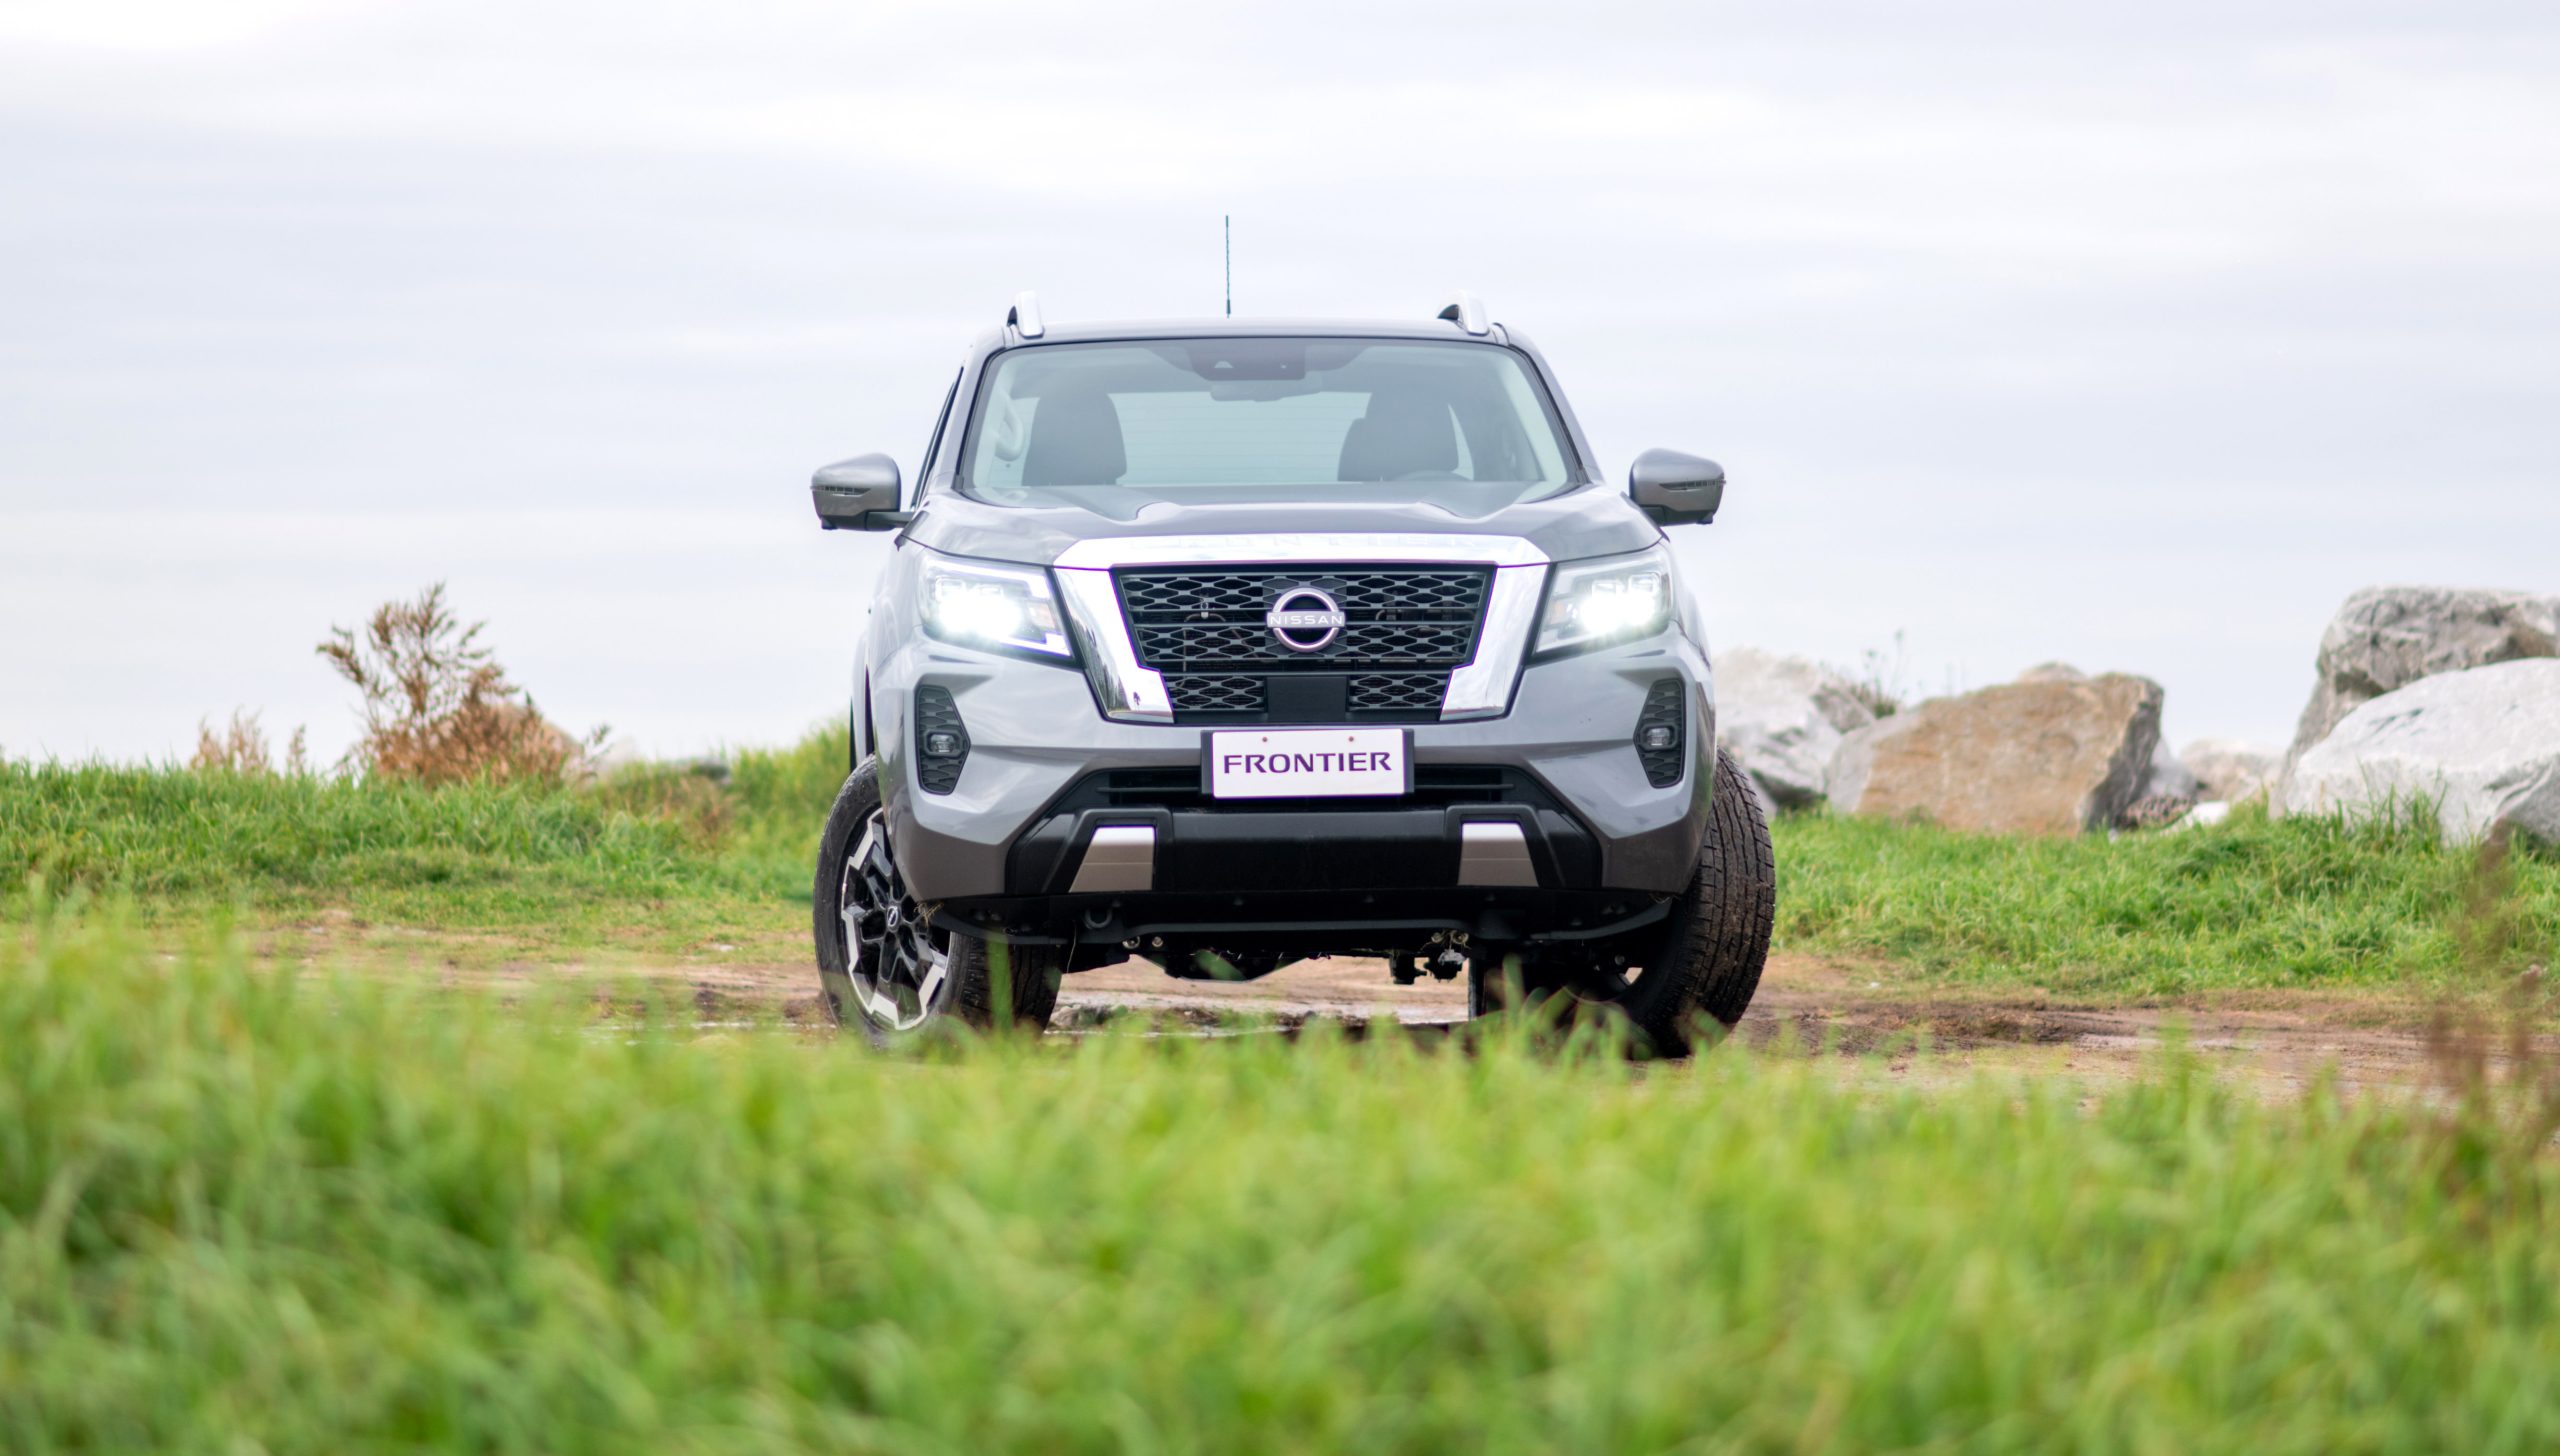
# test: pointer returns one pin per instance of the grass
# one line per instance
(2252, 903)
(653, 861)
(665, 863)
(240, 1212)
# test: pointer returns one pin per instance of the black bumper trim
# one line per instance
(1207, 847)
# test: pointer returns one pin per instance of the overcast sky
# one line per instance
(2135, 335)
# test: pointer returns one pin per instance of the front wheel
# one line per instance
(881, 967)
(1707, 957)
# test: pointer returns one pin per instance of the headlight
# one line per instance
(1617, 599)
(982, 604)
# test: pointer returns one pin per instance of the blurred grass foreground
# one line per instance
(240, 1211)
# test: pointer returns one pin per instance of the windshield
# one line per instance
(1230, 418)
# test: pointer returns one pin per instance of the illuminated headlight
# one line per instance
(982, 604)
(1617, 599)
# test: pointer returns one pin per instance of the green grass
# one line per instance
(2250, 903)
(239, 1213)
(661, 862)
(652, 859)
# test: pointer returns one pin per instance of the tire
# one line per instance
(965, 993)
(1707, 957)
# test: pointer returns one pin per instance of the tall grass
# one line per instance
(182, 845)
(2250, 902)
(241, 1213)
(681, 857)
(160, 833)
(782, 796)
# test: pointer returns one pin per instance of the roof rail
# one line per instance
(1024, 317)
(1466, 311)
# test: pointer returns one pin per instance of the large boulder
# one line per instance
(2058, 756)
(2482, 745)
(1782, 719)
(2228, 770)
(2388, 637)
(2170, 778)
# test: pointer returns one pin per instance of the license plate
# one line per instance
(1309, 763)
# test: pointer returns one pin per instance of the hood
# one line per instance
(1587, 520)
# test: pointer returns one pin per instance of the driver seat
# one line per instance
(1401, 434)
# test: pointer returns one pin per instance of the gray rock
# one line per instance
(2049, 757)
(2483, 745)
(2170, 778)
(1782, 719)
(2230, 770)
(2385, 638)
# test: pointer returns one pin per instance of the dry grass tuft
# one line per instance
(241, 748)
(438, 708)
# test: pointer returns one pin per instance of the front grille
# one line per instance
(1189, 645)
(1398, 692)
(1203, 692)
(1410, 592)
(1405, 628)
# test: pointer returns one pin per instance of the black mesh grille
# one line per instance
(1398, 616)
(1203, 692)
(1404, 629)
(1185, 646)
(939, 773)
(1663, 708)
(1409, 592)
(1398, 692)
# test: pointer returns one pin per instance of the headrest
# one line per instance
(1402, 434)
(1075, 440)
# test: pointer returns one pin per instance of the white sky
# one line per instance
(2136, 335)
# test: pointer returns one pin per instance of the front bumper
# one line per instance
(1021, 818)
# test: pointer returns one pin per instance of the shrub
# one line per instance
(437, 706)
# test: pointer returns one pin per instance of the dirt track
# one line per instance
(1809, 1004)
(2279, 1043)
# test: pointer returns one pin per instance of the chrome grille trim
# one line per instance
(1103, 553)
(1129, 692)
(1482, 688)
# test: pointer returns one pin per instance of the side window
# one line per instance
(942, 422)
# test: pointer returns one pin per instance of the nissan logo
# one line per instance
(1305, 619)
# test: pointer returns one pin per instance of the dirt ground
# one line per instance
(1825, 1009)
(2280, 1043)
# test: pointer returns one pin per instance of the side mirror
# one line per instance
(1676, 489)
(860, 494)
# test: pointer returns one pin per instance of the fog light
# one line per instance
(942, 740)
(1658, 732)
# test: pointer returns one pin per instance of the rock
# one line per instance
(2053, 672)
(2385, 638)
(2228, 769)
(2051, 757)
(2155, 811)
(2482, 744)
(2204, 815)
(1782, 719)
(2170, 778)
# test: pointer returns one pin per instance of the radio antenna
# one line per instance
(1228, 222)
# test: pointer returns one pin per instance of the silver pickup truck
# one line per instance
(1225, 644)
